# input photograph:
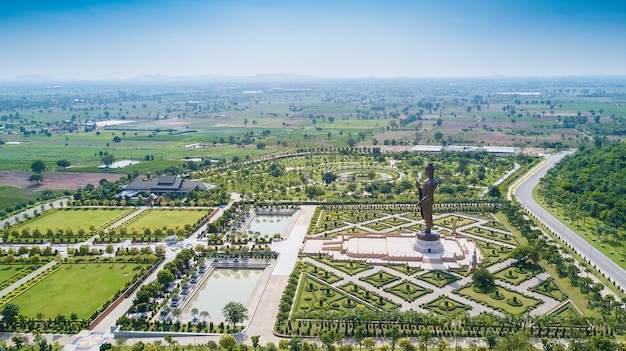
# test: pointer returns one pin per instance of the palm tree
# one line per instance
(194, 312)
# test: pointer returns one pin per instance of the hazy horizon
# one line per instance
(110, 40)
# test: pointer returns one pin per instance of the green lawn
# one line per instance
(501, 299)
(408, 291)
(158, 218)
(447, 221)
(76, 288)
(8, 270)
(348, 267)
(72, 217)
(438, 278)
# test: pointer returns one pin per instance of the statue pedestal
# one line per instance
(428, 243)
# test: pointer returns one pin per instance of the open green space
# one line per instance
(168, 218)
(315, 295)
(377, 226)
(319, 273)
(76, 288)
(448, 221)
(566, 310)
(438, 278)
(8, 270)
(380, 279)
(565, 284)
(500, 299)
(549, 288)
(395, 221)
(348, 267)
(73, 217)
(408, 291)
(65, 225)
(517, 273)
(416, 216)
(491, 235)
(492, 253)
(369, 296)
(445, 305)
(10, 273)
(404, 269)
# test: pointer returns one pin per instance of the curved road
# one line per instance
(523, 193)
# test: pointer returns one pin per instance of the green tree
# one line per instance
(255, 341)
(10, 313)
(295, 344)
(212, 345)
(443, 344)
(228, 342)
(425, 338)
(328, 177)
(491, 339)
(519, 341)
(406, 345)
(482, 278)
(359, 334)
(18, 340)
(438, 136)
(494, 191)
(108, 160)
(165, 277)
(63, 163)
(601, 343)
(394, 335)
(235, 312)
(328, 338)
(520, 253)
(36, 177)
(369, 342)
(38, 166)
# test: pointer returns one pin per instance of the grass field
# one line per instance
(75, 288)
(74, 218)
(158, 218)
(7, 270)
(504, 301)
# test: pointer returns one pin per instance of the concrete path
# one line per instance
(263, 316)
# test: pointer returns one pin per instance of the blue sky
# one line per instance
(83, 39)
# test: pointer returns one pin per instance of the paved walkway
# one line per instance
(263, 319)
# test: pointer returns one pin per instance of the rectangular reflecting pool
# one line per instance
(269, 225)
(223, 286)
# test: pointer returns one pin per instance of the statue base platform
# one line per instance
(428, 242)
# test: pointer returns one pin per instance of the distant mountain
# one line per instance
(215, 77)
(34, 78)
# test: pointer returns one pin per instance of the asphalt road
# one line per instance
(605, 265)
